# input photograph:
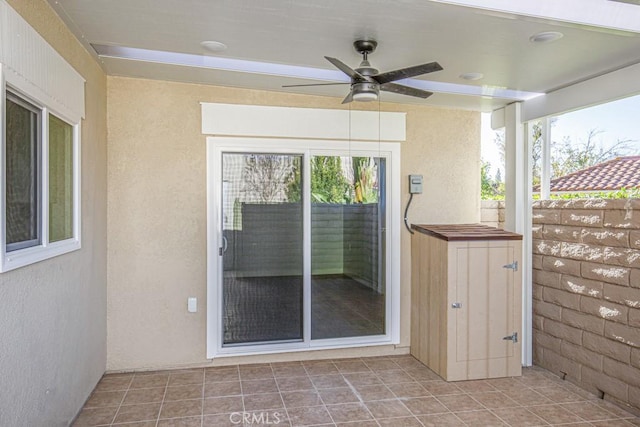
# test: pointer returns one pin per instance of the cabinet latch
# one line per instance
(513, 266)
(513, 338)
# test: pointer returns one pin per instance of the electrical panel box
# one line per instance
(415, 184)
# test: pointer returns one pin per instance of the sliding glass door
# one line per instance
(262, 248)
(302, 249)
(347, 246)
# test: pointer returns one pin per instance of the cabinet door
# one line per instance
(488, 296)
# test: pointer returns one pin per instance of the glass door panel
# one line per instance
(348, 217)
(262, 223)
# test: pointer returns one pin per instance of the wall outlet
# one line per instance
(192, 304)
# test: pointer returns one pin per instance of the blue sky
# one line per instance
(618, 120)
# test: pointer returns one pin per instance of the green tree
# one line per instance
(569, 157)
(364, 180)
(490, 189)
(328, 183)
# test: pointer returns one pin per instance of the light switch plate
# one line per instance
(192, 304)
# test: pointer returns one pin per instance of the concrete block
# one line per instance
(604, 237)
(545, 216)
(634, 278)
(587, 204)
(550, 311)
(549, 204)
(488, 215)
(562, 233)
(600, 381)
(536, 292)
(609, 348)
(537, 322)
(583, 321)
(582, 286)
(561, 265)
(560, 365)
(572, 250)
(624, 204)
(489, 204)
(536, 262)
(628, 219)
(622, 295)
(584, 218)
(634, 317)
(635, 357)
(622, 371)
(546, 247)
(622, 333)
(610, 274)
(582, 356)
(604, 309)
(546, 341)
(634, 397)
(624, 257)
(634, 239)
(547, 278)
(562, 331)
(561, 298)
(537, 232)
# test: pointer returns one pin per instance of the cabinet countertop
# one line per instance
(463, 232)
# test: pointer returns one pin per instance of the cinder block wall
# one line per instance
(586, 290)
(492, 213)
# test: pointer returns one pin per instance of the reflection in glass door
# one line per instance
(262, 250)
(348, 257)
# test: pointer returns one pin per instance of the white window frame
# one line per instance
(215, 147)
(10, 260)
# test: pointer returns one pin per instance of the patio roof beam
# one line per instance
(597, 90)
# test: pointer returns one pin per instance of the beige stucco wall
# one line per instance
(157, 209)
(53, 313)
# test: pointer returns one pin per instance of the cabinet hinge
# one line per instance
(456, 305)
(513, 266)
(513, 338)
(219, 251)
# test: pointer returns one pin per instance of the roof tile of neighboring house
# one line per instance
(610, 175)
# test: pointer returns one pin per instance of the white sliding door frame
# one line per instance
(216, 146)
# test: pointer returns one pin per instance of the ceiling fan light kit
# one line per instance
(366, 82)
(365, 92)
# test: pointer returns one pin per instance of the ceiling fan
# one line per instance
(366, 83)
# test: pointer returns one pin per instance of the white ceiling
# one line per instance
(461, 37)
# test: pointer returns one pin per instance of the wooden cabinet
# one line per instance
(466, 300)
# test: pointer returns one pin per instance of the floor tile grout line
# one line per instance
(280, 393)
(113, 420)
(204, 382)
(166, 387)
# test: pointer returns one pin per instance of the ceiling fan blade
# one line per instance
(344, 68)
(405, 90)
(405, 73)
(318, 84)
(348, 98)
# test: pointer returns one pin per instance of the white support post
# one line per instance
(514, 159)
(545, 159)
(518, 201)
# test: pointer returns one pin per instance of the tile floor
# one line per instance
(377, 391)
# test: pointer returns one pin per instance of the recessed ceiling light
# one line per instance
(471, 76)
(546, 37)
(213, 46)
